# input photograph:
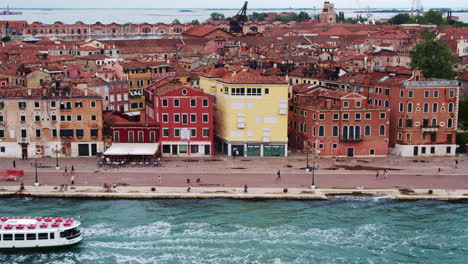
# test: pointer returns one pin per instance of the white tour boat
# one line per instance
(38, 232)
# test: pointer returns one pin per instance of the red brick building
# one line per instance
(185, 116)
(334, 123)
(123, 129)
(424, 116)
(118, 96)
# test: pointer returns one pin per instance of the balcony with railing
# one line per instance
(429, 128)
(351, 139)
(23, 140)
(163, 75)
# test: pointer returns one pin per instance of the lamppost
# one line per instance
(36, 181)
(56, 158)
(313, 168)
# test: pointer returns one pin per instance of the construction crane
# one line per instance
(419, 7)
(237, 22)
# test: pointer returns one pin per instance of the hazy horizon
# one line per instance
(215, 4)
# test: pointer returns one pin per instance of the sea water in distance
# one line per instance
(156, 15)
(341, 230)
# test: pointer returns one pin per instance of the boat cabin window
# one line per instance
(43, 236)
(52, 235)
(31, 236)
(69, 232)
(7, 236)
(19, 236)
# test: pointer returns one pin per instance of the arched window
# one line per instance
(434, 122)
(367, 131)
(449, 122)
(351, 132)
(402, 108)
(382, 130)
(387, 103)
(435, 107)
(410, 107)
(335, 131)
(409, 123)
(400, 122)
(450, 107)
(357, 132)
(321, 131)
(425, 122)
(345, 132)
(426, 107)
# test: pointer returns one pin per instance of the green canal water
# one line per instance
(341, 230)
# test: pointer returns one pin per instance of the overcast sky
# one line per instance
(226, 4)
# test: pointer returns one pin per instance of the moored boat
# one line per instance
(38, 232)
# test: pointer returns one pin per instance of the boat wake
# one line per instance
(358, 198)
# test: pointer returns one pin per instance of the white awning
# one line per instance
(124, 149)
(134, 113)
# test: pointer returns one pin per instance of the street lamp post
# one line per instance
(313, 168)
(36, 181)
(56, 158)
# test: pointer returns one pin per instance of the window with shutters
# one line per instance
(266, 135)
(283, 107)
(240, 121)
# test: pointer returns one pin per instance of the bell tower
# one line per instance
(328, 14)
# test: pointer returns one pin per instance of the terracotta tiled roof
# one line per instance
(252, 77)
(216, 73)
(164, 86)
(200, 31)
(463, 76)
(117, 119)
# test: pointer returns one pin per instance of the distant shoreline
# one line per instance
(390, 10)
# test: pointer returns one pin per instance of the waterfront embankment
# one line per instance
(94, 192)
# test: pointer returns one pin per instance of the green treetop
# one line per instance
(433, 57)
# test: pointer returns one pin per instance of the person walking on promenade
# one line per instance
(21, 186)
(189, 188)
(14, 164)
(385, 174)
(66, 170)
(456, 163)
(377, 175)
(72, 180)
(73, 169)
(438, 171)
(159, 180)
(245, 188)
(278, 176)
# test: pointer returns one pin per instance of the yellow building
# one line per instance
(141, 74)
(251, 113)
(302, 75)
